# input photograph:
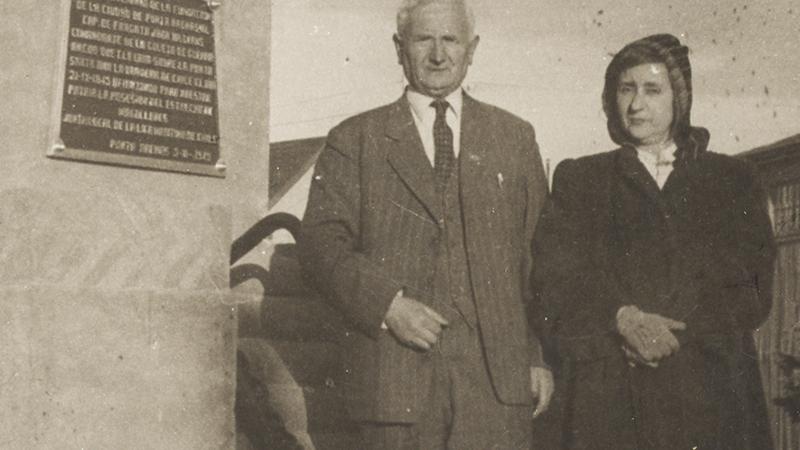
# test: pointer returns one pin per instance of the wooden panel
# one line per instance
(781, 334)
(786, 211)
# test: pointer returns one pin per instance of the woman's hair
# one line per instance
(658, 48)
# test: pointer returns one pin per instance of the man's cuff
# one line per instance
(537, 358)
(625, 308)
(398, 295)
(373, 297)
(623, 317)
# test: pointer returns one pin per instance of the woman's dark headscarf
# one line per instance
(658, 48)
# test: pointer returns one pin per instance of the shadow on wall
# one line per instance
(288, 392)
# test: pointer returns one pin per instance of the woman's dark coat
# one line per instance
(700, 251)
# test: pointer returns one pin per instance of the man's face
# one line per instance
(644, 103)
(436, 49)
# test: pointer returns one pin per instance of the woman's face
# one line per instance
(644, 102)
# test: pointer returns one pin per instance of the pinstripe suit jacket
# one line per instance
(371, 227)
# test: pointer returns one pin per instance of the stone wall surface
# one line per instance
(117, 325)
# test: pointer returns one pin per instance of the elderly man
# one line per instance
(418, 229)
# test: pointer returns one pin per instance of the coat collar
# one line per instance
(690, 153)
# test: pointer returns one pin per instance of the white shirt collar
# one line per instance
(665, 156)
(425, 116)
(421, 104)
(658, 165)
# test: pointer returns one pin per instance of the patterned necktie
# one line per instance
(443, 157)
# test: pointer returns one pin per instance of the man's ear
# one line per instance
(398, 47)
(471, 48)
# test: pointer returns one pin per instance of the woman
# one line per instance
(654, 267)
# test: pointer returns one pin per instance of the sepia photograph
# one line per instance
(400, 224)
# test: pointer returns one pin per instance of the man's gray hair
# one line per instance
(407, 6)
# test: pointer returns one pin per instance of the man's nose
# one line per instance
(438, 55)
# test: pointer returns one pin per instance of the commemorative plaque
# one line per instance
(140, 86)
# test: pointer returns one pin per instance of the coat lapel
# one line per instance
(407, 156)
(632, 170)
(480, 200)
(474, 160)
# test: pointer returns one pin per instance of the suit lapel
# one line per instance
(407, 156)
(474, 159)
(479, 200)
